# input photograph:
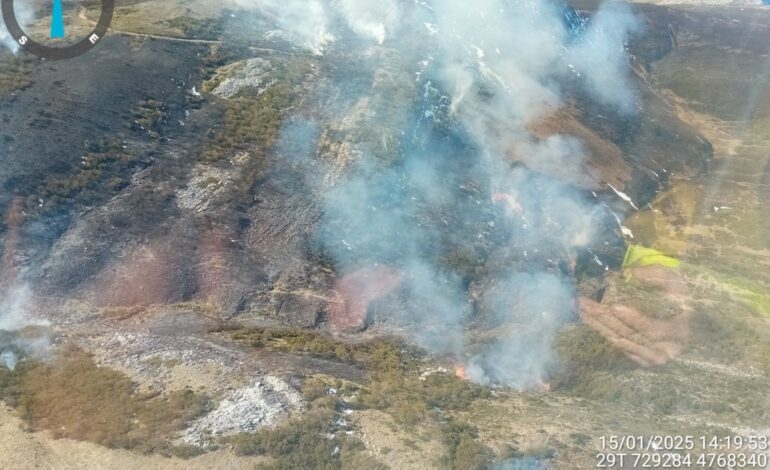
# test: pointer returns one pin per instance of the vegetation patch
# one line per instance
(253, 121)
(197, 28)
(104, 169)
(593, 369)
(309, 442)
(151, 115)
(14, 74)
(72, 397)
(639, 256)
(754, 294)
(397, 385)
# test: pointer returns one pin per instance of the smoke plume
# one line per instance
(16, 299)
(24, 15)
(369, 18)
(473, 241)
(599, 55)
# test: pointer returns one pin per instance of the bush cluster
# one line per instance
(73, 397)
(198, 28)
(396, 385)
(104, 170)
(14, 74)
(253, 121)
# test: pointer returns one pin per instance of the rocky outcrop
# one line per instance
(264, 404)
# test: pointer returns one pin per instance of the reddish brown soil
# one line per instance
(356, 291)
(646, 340)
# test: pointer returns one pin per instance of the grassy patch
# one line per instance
(104, 170)
(253, 122)
(395, 385)
(593, 369)
(754, 294)
(14, 74)
(72, 397)
(197, 28)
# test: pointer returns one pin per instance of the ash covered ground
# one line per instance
(385, 234)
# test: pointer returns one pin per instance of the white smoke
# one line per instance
(600, 55)
(306, 22)
(24, 15)
(8, 359)
(16, 307)
(369, 18)
(487, 72)
(535, 306)
(499, 63)
(309, 22)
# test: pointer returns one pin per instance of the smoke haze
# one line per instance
(485, 72)
(24, 15)
(467, 240)
(16, 298)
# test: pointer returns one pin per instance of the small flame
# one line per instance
(460, 372)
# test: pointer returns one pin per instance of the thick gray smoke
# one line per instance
(486, 72)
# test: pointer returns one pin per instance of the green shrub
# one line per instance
(395, 385)
(152, 115)
(253, 122)
(464, 451)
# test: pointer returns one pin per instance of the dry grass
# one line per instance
(14, 74)
(103, 171)
(73, 397)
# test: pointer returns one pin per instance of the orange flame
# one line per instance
(460, 372)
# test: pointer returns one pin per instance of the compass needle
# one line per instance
(57, 20)
(56, 51)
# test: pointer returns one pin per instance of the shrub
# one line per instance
(151, 115)
(308, 442)
(464, 451)
(198, 28)
(395, 385)
(104, 170)
(253, 122)
(14, 74)
(73, 397)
